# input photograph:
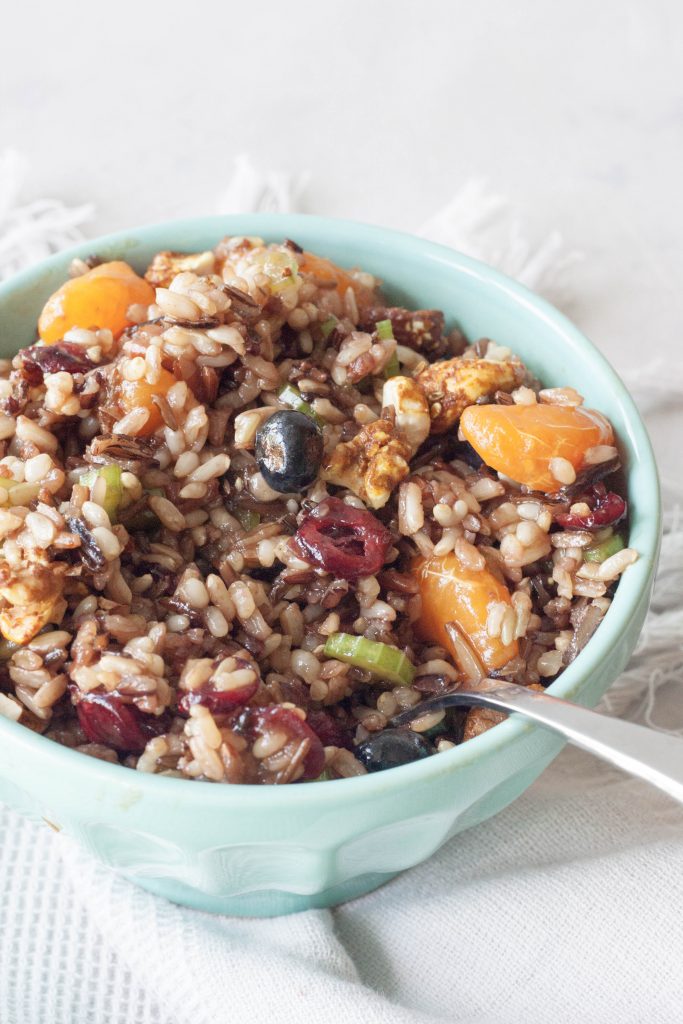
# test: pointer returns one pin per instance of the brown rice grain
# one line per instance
(167, 513)
(562, 470)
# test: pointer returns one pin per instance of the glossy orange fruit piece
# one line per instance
(520, 440)
(327, 271)
(133, 394)
(97, 299)
(453, 593)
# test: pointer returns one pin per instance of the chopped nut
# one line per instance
(410, 407)
(35, 598)
(372, 464)
(419, 329)
(165, 266)
(452, 385)
(480, 720)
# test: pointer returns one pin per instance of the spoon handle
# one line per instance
(653, 756)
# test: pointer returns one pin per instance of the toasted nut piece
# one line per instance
(480, 720)
(165, 266)
(35, 597)
(419, 329)
(372, 464)
(452, 385)
(411, 409)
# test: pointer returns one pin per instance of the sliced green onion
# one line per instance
(382, 660)
(385, 329)
(248, 519)
(602, 551)
(392, 369)
(324, 776)
(114, 488)
(17, 492)
(293, 399)
(327, 326)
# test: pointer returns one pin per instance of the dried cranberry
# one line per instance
(348, 542)
(330, 731)
(105, 718)
(606, 509)
(257, 722)
(53, 358)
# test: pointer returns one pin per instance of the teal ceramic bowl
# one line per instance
(268, 850)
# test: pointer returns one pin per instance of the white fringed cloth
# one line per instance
(565, 907)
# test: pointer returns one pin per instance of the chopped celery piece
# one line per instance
(392, 369)
(602, 551)
(248, 519)
(327, 326)
(114, 488)
(385, 332)
(384, 661)
(385, 329)
(292, 397)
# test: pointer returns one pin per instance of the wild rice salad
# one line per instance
(249, 512)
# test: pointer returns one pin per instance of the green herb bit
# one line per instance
(382, 660)
(248, 519)
(602, 551)
(113, 493)
(392, 369)
(384, 329)
(293, 399)
(327, 326)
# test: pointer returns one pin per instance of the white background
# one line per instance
(574, 110)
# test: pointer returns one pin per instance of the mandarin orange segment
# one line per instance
(327, 272)
(453, 593)
(520, 440)
(97, 299)
(135, 394)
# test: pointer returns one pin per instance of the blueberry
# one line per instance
(391, 748)
(289, 450)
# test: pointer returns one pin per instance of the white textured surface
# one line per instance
(568, 904)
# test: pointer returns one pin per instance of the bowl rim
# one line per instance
(624, 607)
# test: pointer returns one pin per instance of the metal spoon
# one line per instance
(653, 756)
